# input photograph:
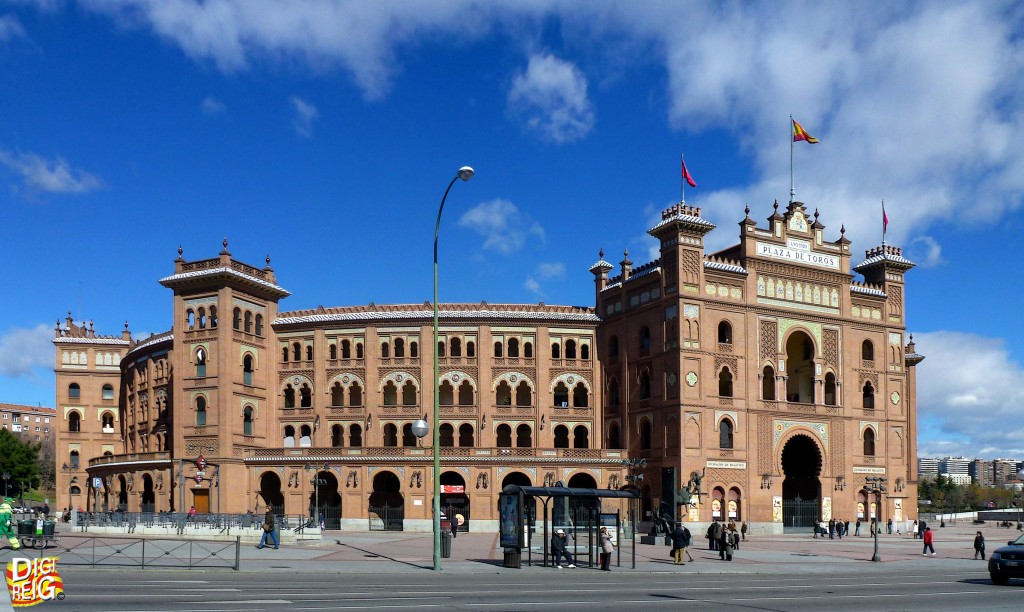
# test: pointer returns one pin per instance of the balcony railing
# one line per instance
(423, 452)
(130, 457)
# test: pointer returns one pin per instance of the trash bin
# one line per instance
(49, 527)
(26, 527)
(446, 544)
(513, 558)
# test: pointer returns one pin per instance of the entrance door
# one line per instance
(201, 500)
(455, 501)
(801, 489)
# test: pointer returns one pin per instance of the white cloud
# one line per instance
(971, 393)
(10, 28)
(925, 251)
(505, 228)
(305, 114)
(550, 98)
(211, 106)
(551, 270)
(54, 176)
(23, 350)
(532, 286)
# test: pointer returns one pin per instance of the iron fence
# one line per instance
(92, 551)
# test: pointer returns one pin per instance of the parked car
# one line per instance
(1007, 562)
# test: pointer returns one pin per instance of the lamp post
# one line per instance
(876, 485)
(465, 173)
(7, 477)
(316, 490)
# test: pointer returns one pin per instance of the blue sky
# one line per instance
(324, 134)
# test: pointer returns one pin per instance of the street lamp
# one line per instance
(465, 173)
(876, 485)
(316, 490)
(7, 477)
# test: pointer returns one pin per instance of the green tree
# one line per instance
(18, 459)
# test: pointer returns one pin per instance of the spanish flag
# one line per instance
(799, 133)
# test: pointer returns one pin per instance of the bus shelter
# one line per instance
(581, 512)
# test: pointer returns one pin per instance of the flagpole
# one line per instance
(883, 224)
(792, 182)
(682, 181)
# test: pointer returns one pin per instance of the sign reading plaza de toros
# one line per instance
(798, 251)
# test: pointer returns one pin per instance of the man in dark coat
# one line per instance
(720, 532)
(680, 542)
(712, 540)
(559, 544)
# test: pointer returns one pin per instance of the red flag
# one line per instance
(686, 175)
(885, 219)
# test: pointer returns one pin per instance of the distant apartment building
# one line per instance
(981, 472)
(954, 465)
(927, 467)
(30, 423)
(958, 479)
(1003, 471)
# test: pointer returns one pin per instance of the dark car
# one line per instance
(1007, 562)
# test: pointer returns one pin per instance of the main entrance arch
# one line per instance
(801, 488)
(270, 491)
(387, 504)
(326, 494)
(455, 500)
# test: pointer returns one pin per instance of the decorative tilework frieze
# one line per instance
(769, 339)
(780, 427)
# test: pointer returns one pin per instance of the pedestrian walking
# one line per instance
(606, 550)
(559, 548)
(728, 543)
(915, 529)
(979, 546)
(712, 538)
(743, 530)
(857, 530)
(269, 530)
(888, 527)
(720, 532)
(831, 529)
(680, 541)
(928, 540)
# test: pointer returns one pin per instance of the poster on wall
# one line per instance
(874, 510)
(777, 509)
(897, 511)
(694, 510)
(716, 508)
(733, 509)
(511, 521)
(826, 508)
(860, 510)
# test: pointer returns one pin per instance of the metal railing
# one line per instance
(93, 551)
(180, 521)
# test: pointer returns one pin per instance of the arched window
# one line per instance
(524, 436)
(504, 436)
(580, 398)
(470, 349)
(867, 351)
(869, 396)
(74, 459)
(190, 319)
(200, 362)
(414, 350)
(724, 333)
(390, 394)
(585, 352)
(503, 394)
(296, 351)
(645, 435)
(309, 352)
(645, 339)
(613, 392)
(236, 319)
(561, 436)
(247, 421)
(645, 384)
(289, 436)
(289, 396)
(247, 370)
(561, 395)
(725, 383)
(74, 422)
(306, 436)
(613, 346)
(498, 349)
(355, 436)
(284, 355)
(337, 435)
(556, 350)
(390, 435)
(213, 317)
(201, 316)
(200, 411)
(107, 392)
(830, 389)
(259, 325)
(108, 422)
(385, 350)
(355, 395)
(332, 352)
(513, 347)
(466, 435)
(524, 395)
(446, 435)
(580, 437)
(409, 394)
(528, 350)
(399, 348)
(408, 438)
(465, 394)
(768, 383)
(446, 394)
(305, 396)
(359, 350)
(614, 436)
(725, 435)
(346, 349)
(456, 347)
(440, 348)
(337, 395)
(869, 442)
(248, 322)
(570, 349)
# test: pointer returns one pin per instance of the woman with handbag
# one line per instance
(269, 530)
(606, 550)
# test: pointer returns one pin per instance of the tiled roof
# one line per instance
(224, 270)
(866, 290)
(880, 257)
(72, 340)
(601, 263)
(724, 267)
(20, 408)
(692, 220)
(410, 312)
(158, 338)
